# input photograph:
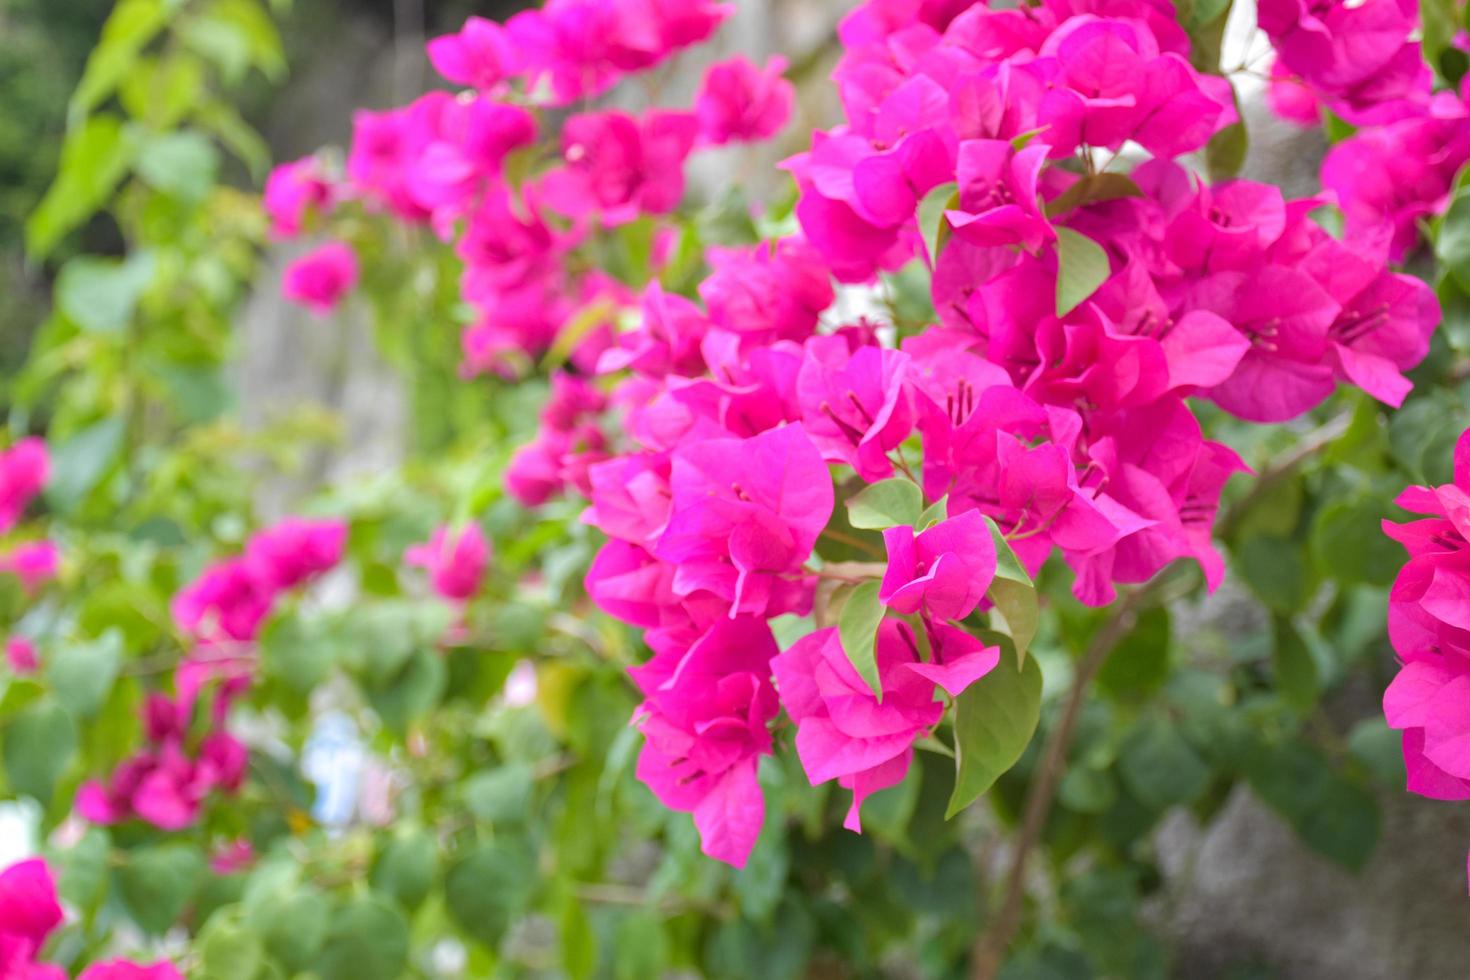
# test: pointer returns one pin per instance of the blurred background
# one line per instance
(1243, 897)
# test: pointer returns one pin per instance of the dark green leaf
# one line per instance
(407, 868)
(485, 890)
(1139, 665)
(1225, 152)
(1159, 767)
(157, 883)
(995, 718)
(367, 940)
(1294, 668)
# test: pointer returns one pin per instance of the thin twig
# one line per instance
(991, 946)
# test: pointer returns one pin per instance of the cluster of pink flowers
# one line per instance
(24, 469)
(447, 162)
(30, 912)
(455, 561)
(1362, 61)
(189, 754)
(1080, 307)
(1429, 626)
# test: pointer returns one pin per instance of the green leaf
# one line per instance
(1087, 790)
(130, 26)
(933, 225)
(227, 950)
(82, 674)
(298, 652)
(1082, 266)
(1439, 23)
(1452, 247)
(156, 884)
(888, 503)
(38, 745)
(1017, 608)
(1226, 151)
(81, 460)
(182, 164)
(293, 924)
(407, 868)
(1294, 668)
(413, 692)
(1379, 749)
(486, 889)
(640, 949)
(1138, 667)
(1348, 545)
(1275, 570)
(500, 795)
(933, 514)
(367, 940)
(99, 295)
(1105, 186)
(578, 943)
(237, 136)
(94, 158)
(1159, 767)
(857, 626)
(994, 720)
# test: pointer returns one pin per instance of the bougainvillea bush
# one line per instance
(707, 627)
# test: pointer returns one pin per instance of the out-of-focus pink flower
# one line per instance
(29, 910)
(24, 468)
(125, 970)
(20, 654)
(738, 102)
(296, 550)
(319, 279)
(482, 55)
(455, 560)
(773, 291)
(619, 166)
(292, 191)
(228, 601)
(34, 563)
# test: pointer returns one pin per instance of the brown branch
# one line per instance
(990, 948)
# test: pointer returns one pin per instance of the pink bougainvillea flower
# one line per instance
(35, 563)
(1291, 98)
(855, 404)
(319, 279)
(296, 550)
(228, 601)
(738, 102)
(294, 190)
(843, 731)
(942, 571)
(620, 166)
(745, 513)
(454, 559)
(999, 204)
(481, 55)
(29, 909)
(125, 970)
(233, 857)
(767, 292)
(24, 469)
(704, 719)
(20, 654)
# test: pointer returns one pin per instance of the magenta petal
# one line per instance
(730, 816)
